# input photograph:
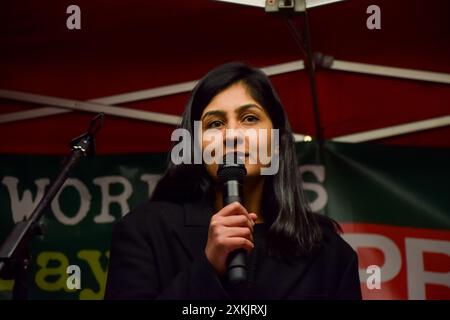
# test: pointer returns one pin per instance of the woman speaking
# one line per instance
(181, 243)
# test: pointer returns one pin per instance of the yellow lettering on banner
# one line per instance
(92, 257)
(6, 285)
(58, 272)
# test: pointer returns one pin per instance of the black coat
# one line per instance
(157, 252)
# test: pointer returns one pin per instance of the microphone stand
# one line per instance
(14, 252)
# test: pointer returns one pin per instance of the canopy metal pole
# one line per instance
(292, 66)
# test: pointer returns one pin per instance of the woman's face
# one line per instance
(234, 108)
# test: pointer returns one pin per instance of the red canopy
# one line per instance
(137, 45)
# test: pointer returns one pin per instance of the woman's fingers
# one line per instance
(236, 221)
(236, 209)
(233, 209)
(242, 232)
(253, 216)
(238, 243)
(231, 228)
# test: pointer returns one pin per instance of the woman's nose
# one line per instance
(233, 137)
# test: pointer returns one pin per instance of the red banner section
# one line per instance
(407, 263)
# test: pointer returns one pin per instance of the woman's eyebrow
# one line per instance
(214, 113)
(247, 106)
(237, 110)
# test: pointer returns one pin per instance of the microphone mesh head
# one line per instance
(230, 170)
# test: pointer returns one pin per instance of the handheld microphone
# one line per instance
(231, 175)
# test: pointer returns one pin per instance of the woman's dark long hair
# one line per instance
(294, 230)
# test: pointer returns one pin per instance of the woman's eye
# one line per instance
(250, 118)
(214, 124)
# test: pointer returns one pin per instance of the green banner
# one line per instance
(393, 203)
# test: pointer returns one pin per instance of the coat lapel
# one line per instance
(193, 234)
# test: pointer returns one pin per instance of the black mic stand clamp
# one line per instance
(14, 251)
(285, 6)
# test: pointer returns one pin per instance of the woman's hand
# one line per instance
(231, 228)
